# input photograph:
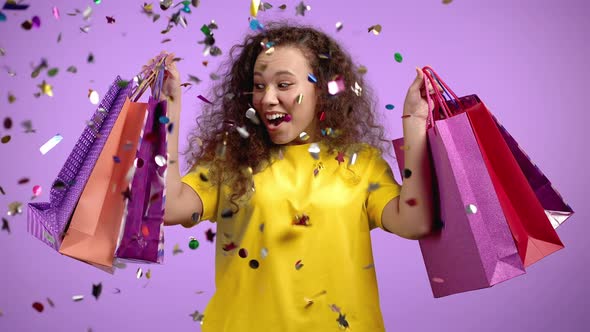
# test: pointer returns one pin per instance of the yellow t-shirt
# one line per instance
(299, 274)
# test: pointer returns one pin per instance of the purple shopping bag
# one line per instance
(556, 209)
(472, 247)
(48, 221)
(142, 238)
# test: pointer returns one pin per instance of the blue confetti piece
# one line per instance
(164, 119)
(389, 106)
(255, 25)
(2, 17)
(116, 159)
(312, 78)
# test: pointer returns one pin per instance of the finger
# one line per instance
(419, 80)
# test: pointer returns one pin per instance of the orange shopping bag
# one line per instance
(95, 225)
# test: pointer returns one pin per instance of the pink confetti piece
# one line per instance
(56, 13)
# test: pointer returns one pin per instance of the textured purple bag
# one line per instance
(48, 221)
(472, 247)
(142, 238)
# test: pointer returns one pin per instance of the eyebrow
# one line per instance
(281, 72)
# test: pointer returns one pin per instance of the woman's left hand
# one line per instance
(416, 103)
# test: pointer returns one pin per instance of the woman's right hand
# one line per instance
(171, 90)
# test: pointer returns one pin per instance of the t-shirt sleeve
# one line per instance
(198, 180)
(382, 189)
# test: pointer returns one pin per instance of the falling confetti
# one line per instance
(243, 253)
(50, 144)
(301, 9)
(254, 264)
(398, 57)
(407, 173)
(227, 213)
(37, 191)
(51, 304)
(210, 235)
(204, 99)
(302, 220)
(193, 243)
(342, 322)
(254, 5)
(77, 298)
(471, 209)
(375, 29)
(55, 13)
(263, 252)
(255, 25)
(196, 316)
(93, 96)
(96, 290)
(5, 225)
(46, 88)
(52, 72)
(11, 98)
(298, 265)
(339, 26)
(389, 107)
(90, 58)
(411, 202)
(72, 69)
(176, 250)
(340, 157)
(5, 139)
(299, 99)
(336, 85)
(110, 19)
(446, 2)
(314, 150)
(251, 114)
(304, 136)
(38, 306)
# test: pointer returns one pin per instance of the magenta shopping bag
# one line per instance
(142, 238)
(472, 247)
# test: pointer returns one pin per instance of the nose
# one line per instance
(270, 97)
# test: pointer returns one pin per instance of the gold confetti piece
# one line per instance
(11, 98)
(270, 51)
(299, 98)
(77, 298)
(303, 136)
(362, 70)
(471, 209)
(93, 97)
(50, 144)
(148, 274)
(5, 139)
(339, 26)
(446, 2)
(46, 88)
(375, 29)
(317, 168)
(254, 5)
(139, 273)
(176, 249)
(302, 220)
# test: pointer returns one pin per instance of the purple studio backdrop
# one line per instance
(528, 61)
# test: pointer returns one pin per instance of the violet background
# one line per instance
(526, 59)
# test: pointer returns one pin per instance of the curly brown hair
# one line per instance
(232, 159)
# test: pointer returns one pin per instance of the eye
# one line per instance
(258, 86)
(284, 85)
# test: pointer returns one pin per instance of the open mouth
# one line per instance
(275, 120)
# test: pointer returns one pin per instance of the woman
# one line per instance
(287, 161)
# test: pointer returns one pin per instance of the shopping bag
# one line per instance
(471, 247)
(48, 221)
(533, 233)
(556, 209)
(142, 239)
(96, 222)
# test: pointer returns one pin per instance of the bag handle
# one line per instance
(447, 90)
(152, 74)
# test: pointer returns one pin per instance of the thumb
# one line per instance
(419, 80)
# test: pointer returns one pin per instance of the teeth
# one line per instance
(274, 116)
